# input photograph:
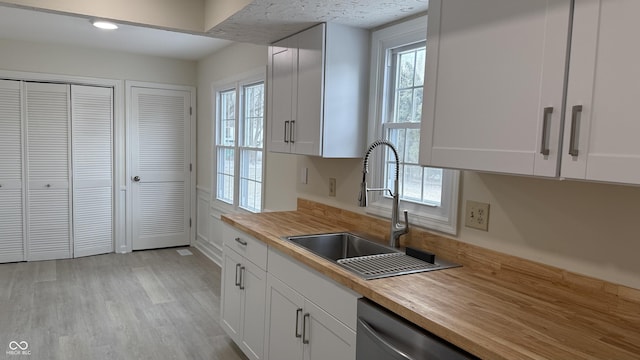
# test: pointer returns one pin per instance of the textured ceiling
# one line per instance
(265, 21)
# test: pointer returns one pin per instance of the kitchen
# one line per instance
(583, 227)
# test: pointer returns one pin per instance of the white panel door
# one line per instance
(307, 127)
(92, 124)
(325, 336)
(160, 133)
(284, 321)
(282, 78)
(11, 196)
(601, 119)
(48, 167)
(494, 85)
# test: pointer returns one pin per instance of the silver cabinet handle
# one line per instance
(305, 340)
(237, 271)
(241, 242)
(291, 131)
(546, 117)
(575, 110)
(286, 131)
(242, 269)
(298, 312)
(378, 339)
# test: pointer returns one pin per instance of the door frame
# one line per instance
(127, 182)
(119, 188)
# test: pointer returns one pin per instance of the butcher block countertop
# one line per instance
(496, 306)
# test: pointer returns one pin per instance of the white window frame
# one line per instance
(238, 83)
(442, 218)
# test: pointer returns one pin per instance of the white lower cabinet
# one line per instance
(275, 308)
(243, 298)
(299, 329)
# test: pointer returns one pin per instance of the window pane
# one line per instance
(420, 57)
(417, 105)
(404, 106)
(412, 180)
(227, 121)
(254, 115)
(251, 180)
(412, 147)
(225, 175)
(406, 69)
(432, 186)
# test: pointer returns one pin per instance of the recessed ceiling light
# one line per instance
(104, 25)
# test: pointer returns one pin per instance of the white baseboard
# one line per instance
(212, 251)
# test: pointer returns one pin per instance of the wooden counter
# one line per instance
(500, 307)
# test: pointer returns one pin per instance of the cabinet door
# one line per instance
(253, 280)
(282, 59)
(601, 120)
(495, 73)
(48, 165)
(231, 295)
(326, 337)
(284, 321)
(308, 124)
(11, 195)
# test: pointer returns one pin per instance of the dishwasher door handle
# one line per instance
(399, 354)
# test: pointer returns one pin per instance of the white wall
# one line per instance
(77, 61)
(227, 63)
(588, 228)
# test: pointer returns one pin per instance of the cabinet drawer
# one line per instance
(252, 249)
(337, 300)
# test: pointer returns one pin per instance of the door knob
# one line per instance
(136, 178)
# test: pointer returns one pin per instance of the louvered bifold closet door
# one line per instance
(160, 167)
(11, 197)
(48, 166)
(92, 124)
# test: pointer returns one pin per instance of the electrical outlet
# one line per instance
(477, 215)
(332, 186)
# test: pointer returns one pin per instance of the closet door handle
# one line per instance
(546, 117)
(291, 131)
(298, 312)
(286, 131)
(237, 272)
(136, 178)
(48, 185)
(242, 269)
(305, 340)
(575, 110)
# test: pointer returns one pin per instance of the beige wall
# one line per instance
(587, 228)
(216, 11)
(76, 61)
(185, 15)
(227, 63)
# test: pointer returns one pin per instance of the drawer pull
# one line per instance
(241, 242)
(305, 340)
(544, 147)
(298, 312)
(237, 272)
(573, 150)
(286, 131)
(242, 269)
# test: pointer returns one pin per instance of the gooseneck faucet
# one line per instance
(397, 229)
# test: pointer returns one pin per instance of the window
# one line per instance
(430, 194)
(239, 144)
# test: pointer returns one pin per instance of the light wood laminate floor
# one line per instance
(151, 304)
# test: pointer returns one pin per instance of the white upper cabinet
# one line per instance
(601, 117)
(318, 92)
(495, 74)
(495, 80)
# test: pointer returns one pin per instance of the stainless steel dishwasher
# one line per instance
(383, 335)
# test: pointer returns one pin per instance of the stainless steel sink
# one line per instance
(363, 257)
(340, 245)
